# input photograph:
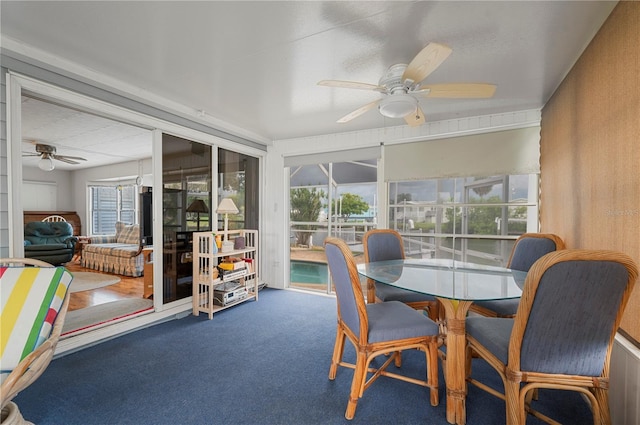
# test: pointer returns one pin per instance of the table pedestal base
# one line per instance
(455, 363)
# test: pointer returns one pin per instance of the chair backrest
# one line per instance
(54, 218)
(569, 312)
(39, 232)
(344, 274)
(382, 245)
(529, 247)
(34, 300)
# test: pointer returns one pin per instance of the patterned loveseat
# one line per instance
(120, 253)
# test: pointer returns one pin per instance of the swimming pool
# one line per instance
(308, 272)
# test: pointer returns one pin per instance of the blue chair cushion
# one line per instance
(384, 246)
(528, 251)
(395, 320)
(391, 293)
(501, 307)
(493, 333)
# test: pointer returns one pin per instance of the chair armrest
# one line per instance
(103, 239)
(71, 241)
(140, 248)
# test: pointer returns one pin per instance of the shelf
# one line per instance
(206, 257)
(233, 253)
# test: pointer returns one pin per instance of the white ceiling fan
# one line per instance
(47, 154)
(402, 87)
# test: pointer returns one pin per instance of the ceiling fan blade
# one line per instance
(459, 90)
(77, 158)
(30, 154)
(351, 85)
(425, 62)
(66, 159)
(361, 110)
(415, 119)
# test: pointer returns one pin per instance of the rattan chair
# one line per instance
(386, 244)
(35, 362)
(527, 249)
(562, 334)
(375, 329)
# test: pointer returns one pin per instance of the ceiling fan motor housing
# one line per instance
(392, 79)
(45, 149)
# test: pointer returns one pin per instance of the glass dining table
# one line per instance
(456, 285)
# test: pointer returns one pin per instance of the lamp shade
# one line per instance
(198, 206)
(226, 206)
(46, 163)
(398, 105)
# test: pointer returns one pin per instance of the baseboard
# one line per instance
(624, 391)
(101, 334)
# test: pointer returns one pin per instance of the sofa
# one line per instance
(119, 254)
(52, 242)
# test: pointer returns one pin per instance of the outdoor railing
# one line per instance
(483, 249)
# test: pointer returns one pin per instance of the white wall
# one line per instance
(62, 179)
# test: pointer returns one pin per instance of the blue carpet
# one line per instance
(264, 362)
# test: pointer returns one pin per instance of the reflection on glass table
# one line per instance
(456, 285)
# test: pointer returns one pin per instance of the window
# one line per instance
(109, 204)
(472, 219)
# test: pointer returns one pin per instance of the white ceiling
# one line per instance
(254, 66)
(99, 140)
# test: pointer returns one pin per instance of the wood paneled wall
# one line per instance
(590, 149)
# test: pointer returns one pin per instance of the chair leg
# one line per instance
(602, 397)
(398, 360)
(359, 377)
(515, 408)
(432, 372)
(338, 349)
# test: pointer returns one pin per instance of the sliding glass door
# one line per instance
(186, 207)
(190, 198)
(333, 199)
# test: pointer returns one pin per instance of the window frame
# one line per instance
(122, 213)
(462, 241)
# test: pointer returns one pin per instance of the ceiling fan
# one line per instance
(402, 86)
(47, 154)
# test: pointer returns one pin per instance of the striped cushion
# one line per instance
(31, 298)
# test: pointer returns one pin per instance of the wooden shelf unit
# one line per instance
(207, 258)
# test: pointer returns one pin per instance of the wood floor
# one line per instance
(128, 287)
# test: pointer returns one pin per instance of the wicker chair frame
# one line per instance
(366, 351)
(521, 385)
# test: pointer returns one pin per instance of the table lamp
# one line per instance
(226, 207)
(198, 206)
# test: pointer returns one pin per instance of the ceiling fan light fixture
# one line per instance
(398, 105)
(46, 163)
